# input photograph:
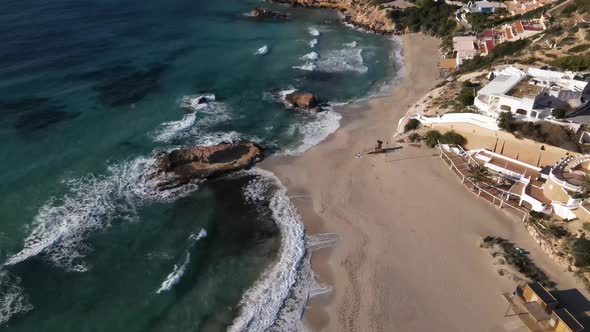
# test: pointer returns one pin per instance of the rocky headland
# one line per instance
(360, 13)
(182, 166)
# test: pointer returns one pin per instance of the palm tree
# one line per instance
(479, 174)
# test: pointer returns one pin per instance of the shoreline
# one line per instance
(407, 255)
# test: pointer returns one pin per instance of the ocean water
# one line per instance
(90, 90)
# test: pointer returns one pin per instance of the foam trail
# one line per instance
(12, 298)
(262, 51)
(312, 56)
(308, 66)
(313, 31)
(174, 277)
(171, 129)
(352, 44)
(262, 303)
(202, 234)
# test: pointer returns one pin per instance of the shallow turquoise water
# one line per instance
(89, 91)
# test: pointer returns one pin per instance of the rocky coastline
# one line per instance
(182, 166)
(361, 14)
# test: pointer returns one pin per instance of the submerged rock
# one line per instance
(265, 13)
(204, 162)
(302, 99)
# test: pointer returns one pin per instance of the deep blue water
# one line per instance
(90, 89)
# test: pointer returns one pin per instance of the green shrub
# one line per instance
(411, 125)
(431, 138)
(507, 122)
(581, 251)
(579, 48)
(434, 17)
(452, 137)
(558, 113)
(414, 137)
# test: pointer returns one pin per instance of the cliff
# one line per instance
(360, 13)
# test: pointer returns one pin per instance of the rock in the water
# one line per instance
(265, 13)
(204, 162)
(302, 99)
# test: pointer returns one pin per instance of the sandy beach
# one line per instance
(408, 255)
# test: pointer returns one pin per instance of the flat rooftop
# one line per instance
(525, 89)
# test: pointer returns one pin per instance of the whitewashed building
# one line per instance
(530, 95)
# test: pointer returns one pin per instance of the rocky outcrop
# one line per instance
(360, 13)
(303, 100)
(204, 162)
(260, 12)
(555, 248)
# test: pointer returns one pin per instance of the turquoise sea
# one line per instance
(90, 90)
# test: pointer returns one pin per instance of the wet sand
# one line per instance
(408, 256)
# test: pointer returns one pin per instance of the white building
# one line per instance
(532, 95)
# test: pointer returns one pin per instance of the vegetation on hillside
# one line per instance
(500, 52)
(542, 132)
(428, 16)
(573, 62)
(433, 137)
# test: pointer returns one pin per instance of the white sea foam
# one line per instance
(313, 43)
(12, 298)
(196, 102)
(344, 60)
(262, 303)
(174, 277)
(192, 124)
(313, 31)
(352, 44)
(312, 56)
(91, 204)
(308, 66)
(170, 129)
(315, 129)
(262, 51)
(196, 237)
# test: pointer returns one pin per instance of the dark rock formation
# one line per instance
(302, 99)
(204, 162)
(265, 13)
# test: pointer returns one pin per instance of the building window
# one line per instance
(505, 108)
(534, 114)
(521, 112)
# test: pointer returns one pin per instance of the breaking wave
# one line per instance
(312, 56)
(344, 60)
(313, 43)
(316, 128)
(174, 277)
(90, 204)
(261, 305)
(207, 114)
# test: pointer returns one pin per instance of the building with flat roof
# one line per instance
(530, 95)
(464, 48)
